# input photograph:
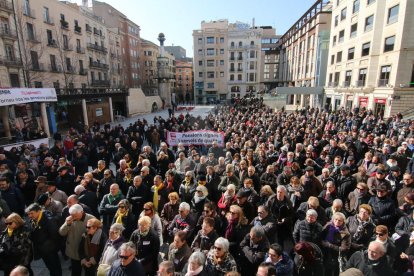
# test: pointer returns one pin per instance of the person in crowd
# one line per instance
(312, 203)
(361, 228)
(404, 263)
(381, 236)
(110, 251)
(87, 198)
(41, 186)
(371, 261)
(12, 196)
(407, 187)
(147, 244)
(198, 201)
(15, 244)
(308, 259)
(73, 228)
(265, 193)
(356, 198)
(248, 188)
(205, 237)
(383, 207)
(247, 207)
(296, 192)
(266, 220)
(51, 205)
(91, 246)
(269, 178)
(179, 251)
(227, 199)
(156, 224)
(158, 193)
(105, 184)
(280, 260)
(229, 178)
(196, 264)
(337, 207)
(187, 187)
(308, 230)
(253, 250)
(184, 221)
(166, 268)
(109, 205)
(266, 269)
(137, 195)
(210, 210)
(328, 195)
(124, 216)
(219, 259)
(336, 241)
(169, 211)
(127, 264)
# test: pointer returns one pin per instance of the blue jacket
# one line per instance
(14, 199)
(284, 267)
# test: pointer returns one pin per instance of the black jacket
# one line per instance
(203, 242)
(134, 268)
(360, 261)
(304, 231)
(91, 200)
(383, 211)
(147, 249)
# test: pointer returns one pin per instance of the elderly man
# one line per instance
(253, 250)
(269, 177)
(183, 221)
(109, 205)
(56, 194)
(383, 207)
(283, 179)
(166, 268)
(266, 220)
(127, 264)
(308, 230)
(182, 163)
(73, 228)
(372, 261)
(137, 195)
(88, 198)
(104, 184)
(229, 178)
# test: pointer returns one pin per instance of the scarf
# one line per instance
(9, 232)
(230, 228)
(92, 244)
(112, 198)
(197, 198)
(195, 272)
(119, 216)
(187, 184)
(360, 229)
(155, 197)
(170, 185)
(331, 233)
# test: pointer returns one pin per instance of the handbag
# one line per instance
(342, 262)
(103, 269)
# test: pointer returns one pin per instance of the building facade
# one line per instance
(371, 62)
(303, 57)
(184, 82)
(149, 54)
(270, 54)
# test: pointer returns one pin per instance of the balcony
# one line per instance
(232, 58)
(101, 83)
(49, 21)
(346, 84)
(98, 65)
(7, 33)
(88, 28)
(11, 61)
(83, 72)
(33, 38)
(239, 69)
(80, 50)
(52, 43)
(37, 67)
(64, 24)
(54, 68)
(333, 84)
(70, 69)
(67, 47)
(240, 58)
(78, 29)
(29, 12)
(6, 6)
(360, 83)
(115, 56)
(232, 70)
(97, 48)
(383, 82)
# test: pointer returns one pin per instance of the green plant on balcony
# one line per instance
(64, 24)
(78, 29)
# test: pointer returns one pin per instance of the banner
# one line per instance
(9, 96)
(196, 137)
(35, 143)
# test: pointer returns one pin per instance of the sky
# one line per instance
(178, 19)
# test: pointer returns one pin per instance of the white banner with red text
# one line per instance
(195, 137)
(9, 96)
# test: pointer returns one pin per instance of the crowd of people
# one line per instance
(312, 192)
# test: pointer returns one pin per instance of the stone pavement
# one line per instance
(39, 268)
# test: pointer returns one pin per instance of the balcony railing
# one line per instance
(97, 47)
(49, 21)
(103, 83)
(6, 6)
(76, 93)
(29, 12)
(64, 24)
(55, 69)
(52, 43)
(88, 28)
(67, 48)
(83, 72)
(37, 67)
(80, 50)
(8, 33)
(33, 38)
(240, 58)
(232, 70)
(78, 29)
(383, 82)
(239, 69)
(95, 64)
(360, 83)
(232, 58)
(332, 84)
(11, 61)
(346, 84)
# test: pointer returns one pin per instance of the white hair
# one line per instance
(75, 209)
(223, 243)
(79, 189)
(185, 206)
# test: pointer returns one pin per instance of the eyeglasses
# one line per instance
(181, 211)
(361, 189)
(407, 179)
(124, 257)
(217, 248)
(89, 227)
(121, 206)
(380, 234)
(9, 223)
(147, 209)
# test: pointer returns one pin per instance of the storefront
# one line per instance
(363, 102)
(379, 107)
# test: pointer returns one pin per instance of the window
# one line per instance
(389, 43)
(232, 77)
(221, 74)
(210, 63)
(369, 2)
(46, 16)
(341, 36)
(348, 78)
(343, 14)
(210, 40)
(200, 52)
(200, 74)
(365, 49)
(385, 75)
(210, 75)
(355, 6)
(239, 77)
(210, 51)
(332, 59)
(221, 62)
(362, 77)
(30, 32)
(221, 51)
(200, 41)
(210, 85)
(334, 40)
(393, 14)
(354, 28)
(200, 63)
(369, 22)
(336, 20)
(351, 52)
(339, 56)
(221, 39)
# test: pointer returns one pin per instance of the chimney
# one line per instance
(253, 23)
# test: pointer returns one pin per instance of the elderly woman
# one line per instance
(219, 260)
(198, 201)
(125, 216)
(228, 198)
(237, 228)
(169, 211)
(337, 207)
(91, 246)
(179, 251)
(149, 210)
(147, 244)
(15, 244)
(336, 241)
(265, 192)
(196, 265)
(187, 187)
(110, 252)
(361, 228)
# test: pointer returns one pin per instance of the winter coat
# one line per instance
(108, 208)
(284, 267)
(345, 185)
(110, 252)
(354, 201)
(361, 232)
(204, 242)
(44, 235)
(147, 249)
(15, 249)
(213, 268)
(129, 222)
(253, 253)
(168, 213)
(89, 251)
(306, 232)
(281, 210)
(383, 211)
(179, 257)
(360, 261)
(304, 207)
(269, 226)
(341, 242)
(134, 268)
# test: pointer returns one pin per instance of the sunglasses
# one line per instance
(217, 248)
(380, 234)
(124, 257)
(8, 223)
(89, 227)
(121, 206)
(147, 209)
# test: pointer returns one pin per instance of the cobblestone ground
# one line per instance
(39, 268)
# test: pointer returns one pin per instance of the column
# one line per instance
(302, 101)
(44, 119)
(5, 119)
(111, 112)
(85, 113)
